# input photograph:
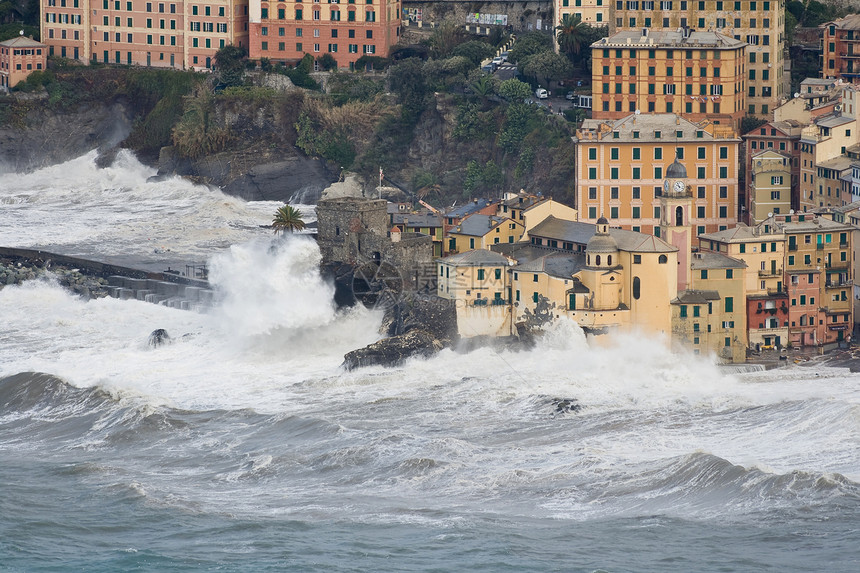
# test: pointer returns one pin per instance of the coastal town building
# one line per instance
(823, 148)
(530, 210)
(699, 75)
(759, 24)
(20, 57)
(710, 317)
(762, 249)
(769, 190)
(592, 12)
(181, 34)
(479, 231)
(284, 32)
(620, 170)
(478, 281)
(840, 48)
(782, 137)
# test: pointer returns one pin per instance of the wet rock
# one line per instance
(158, 337)
(394, 350)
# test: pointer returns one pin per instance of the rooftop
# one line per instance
(22, 42)
(478, 225)
(741, 234)
(850, 22)
(707, 260)
(696, 297)
(561, 265)
(579, 233)
(688, 39)
(477, 257)
(412, 220)
(648, 127)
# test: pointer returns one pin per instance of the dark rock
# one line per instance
(158, 338)
(394, 350)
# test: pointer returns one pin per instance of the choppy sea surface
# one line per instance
(244, 446)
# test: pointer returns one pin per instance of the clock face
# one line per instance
(666, 185)
(679, 186)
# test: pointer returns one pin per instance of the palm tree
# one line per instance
(288, 218)
(571, 33)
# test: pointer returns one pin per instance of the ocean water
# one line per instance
(244, 446)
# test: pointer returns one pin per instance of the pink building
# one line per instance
(19, 57)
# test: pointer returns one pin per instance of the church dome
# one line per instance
(601, 241)
(676, 171)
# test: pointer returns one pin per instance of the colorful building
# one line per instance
(478, 281)
(698, 75)
(840, 48)
(592, 12)
(285, 31)
(758, 24)
(620, 170)
(479, 231)
(182, 35)
(770, 185)
(19, 57)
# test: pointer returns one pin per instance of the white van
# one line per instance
(541, 93)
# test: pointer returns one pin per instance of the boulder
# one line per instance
(394, 350)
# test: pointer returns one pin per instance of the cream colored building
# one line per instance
(759, 24)
(592, 12)
(478, 282)
(770, 185)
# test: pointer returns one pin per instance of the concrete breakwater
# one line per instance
(93, 279)
(167, 293)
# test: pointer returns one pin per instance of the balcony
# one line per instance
(776, 291)
(838, 284)
(838, 265)
(770, 273)
(792, 247)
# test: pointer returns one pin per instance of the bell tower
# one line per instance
(676, 206)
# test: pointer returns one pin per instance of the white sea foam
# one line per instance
(475, 429)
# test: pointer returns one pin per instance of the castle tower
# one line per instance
(676, 206)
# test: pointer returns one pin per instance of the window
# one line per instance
(730, 304)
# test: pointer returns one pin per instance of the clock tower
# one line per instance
(676, 206)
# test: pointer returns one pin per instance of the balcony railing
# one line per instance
(770, 273)
(838, 284)
(792, 247)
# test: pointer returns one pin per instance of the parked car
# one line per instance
(571, 96)
(541, 93)
(498, 60)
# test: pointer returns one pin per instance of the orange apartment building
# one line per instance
(621, 170)
(347, 29)
(758, 23)
(699, 75)
(182, 35)
(19, 57)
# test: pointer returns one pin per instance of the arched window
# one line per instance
(588, 260)
(609, 260)
(663, 259)
(679, 217)
(637, 288)
(597, 260)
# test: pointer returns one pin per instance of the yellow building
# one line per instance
(711, 316)
(699, 75)
(626, 279)
(531, 210)
(770, 185)
(479, 283)
(620, 170)
(758, 24)
(479, 231)
(762, 248)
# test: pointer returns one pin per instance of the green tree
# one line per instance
(476, 50)
(515, 128)
(327, 62)
(445, 38)
(529, 45)
(230, 64)
(514, 90)
(571, 33)
(287, 219)
(408, 81)
(547, 66)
